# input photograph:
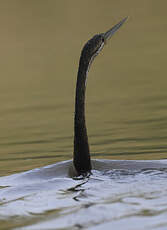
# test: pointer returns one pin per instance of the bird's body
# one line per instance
(81, 158)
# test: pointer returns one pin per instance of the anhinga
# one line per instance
(81, 158)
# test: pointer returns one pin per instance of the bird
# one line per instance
(81, 153)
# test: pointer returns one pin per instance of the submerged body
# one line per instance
(66, 169)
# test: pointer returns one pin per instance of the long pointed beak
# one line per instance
(110, 32)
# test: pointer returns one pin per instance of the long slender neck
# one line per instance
(82, 161)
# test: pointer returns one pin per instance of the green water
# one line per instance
(40, 45)
(126, 110)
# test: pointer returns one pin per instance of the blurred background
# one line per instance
(126, 110)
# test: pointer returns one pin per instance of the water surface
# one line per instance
(126, 197)
(40, 44)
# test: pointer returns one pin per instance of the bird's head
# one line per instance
(96, 44)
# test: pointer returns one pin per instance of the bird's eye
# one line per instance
(103, 40)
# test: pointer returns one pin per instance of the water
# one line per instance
(126, 115)
(113, 198)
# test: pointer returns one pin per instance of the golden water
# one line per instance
(40, 43)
